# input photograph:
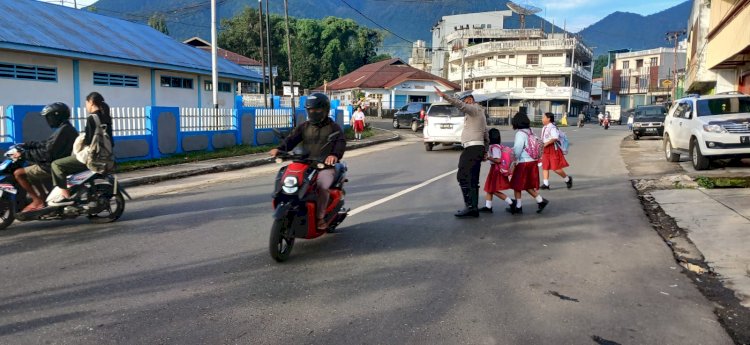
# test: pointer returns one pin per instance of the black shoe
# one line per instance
(485, 210)
(542, 205)
(570, 182)
(513, 209)
(467, 212)
(544, 186)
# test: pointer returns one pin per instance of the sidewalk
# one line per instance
(158, 174)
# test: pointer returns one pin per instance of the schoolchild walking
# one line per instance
(526, 174)
(359, 122)
(553, 157)
(500, 165)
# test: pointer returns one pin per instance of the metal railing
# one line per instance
(273, 118)
(495, 33)
(206, 119)
(125, 120)
(519, 46)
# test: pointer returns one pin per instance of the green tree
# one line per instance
(599, 64)
(380, 57)
(342, 70)
(159, 22)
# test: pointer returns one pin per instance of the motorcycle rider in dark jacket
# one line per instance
(43, 153)
(313, 134)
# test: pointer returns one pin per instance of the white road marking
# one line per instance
(394, 196)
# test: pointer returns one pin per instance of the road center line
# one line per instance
(394, 196)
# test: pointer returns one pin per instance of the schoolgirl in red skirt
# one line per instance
(526, 174)
(553, 157)
(358, 119)
(497, 180)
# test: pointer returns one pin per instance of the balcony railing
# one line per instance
(543, 93)
(508, 70)
(521, 45)
(496, 33)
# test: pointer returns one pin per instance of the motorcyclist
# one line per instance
(313, 134)
(43, 153)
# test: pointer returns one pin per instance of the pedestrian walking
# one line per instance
(474, 139)
(526, 174)
(553, 157)
(601, 118)
(359, 123)
(497, 180)
(630, 122)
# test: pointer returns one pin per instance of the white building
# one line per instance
(531, 68)
(421, 56)
(73, 52)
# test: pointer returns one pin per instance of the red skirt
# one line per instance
(359, 125)
(553, 159)
(525, 176)
(496, 181)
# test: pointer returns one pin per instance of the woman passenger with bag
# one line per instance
(98, 112)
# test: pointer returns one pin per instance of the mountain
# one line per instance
(409, 19)
(634, 31)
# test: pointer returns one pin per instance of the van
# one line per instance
(443, 125)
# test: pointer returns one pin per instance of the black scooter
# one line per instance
(96, 196)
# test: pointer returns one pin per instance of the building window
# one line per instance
(511, 56)
(109, 79)
(654, 61)
(183, 83)
(553, 81)
(510, 78)
(529, 81)
(27, 72)
(552, 55)
(478, 84)
(223, 87)
(532, 59)
(500, 78)
(501, 56)
(639, 63)
(490, 58)
(480, 63)
(626, 65)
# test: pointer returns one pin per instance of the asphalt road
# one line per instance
(188, 264)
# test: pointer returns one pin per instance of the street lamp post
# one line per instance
(214, 69)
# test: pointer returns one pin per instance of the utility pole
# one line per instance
(463, 82)
(675, 36)
(289, 59)
(572, 69)
(75, 4)
(272, 87)
(262, 52)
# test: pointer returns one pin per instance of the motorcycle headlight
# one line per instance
(321, 166)
(290, 185)
(714, 129)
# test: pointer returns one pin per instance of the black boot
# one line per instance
(470, 201)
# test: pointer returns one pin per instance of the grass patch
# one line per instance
(368, 132)
(723, 182)
(196, 156)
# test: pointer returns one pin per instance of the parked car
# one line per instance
(708, 128)
(648, 120)
(411, 116)
(443, 125)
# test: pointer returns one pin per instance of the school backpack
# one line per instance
(101, 157)
(534, 146)
(563, 142)
(507, 160)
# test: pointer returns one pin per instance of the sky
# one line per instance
(574, 14)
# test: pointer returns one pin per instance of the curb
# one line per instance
(223, 167)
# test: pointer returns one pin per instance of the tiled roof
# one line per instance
(383, 75)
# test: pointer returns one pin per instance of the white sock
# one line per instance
(509, 201)
(546, 183)
(488, 203)
(567, 178)
(518, 203)
(539, 198)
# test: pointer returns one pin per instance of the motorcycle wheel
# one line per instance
(279, 246)
(7, 216)
(110, 215)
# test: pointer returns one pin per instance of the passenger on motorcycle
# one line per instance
(43, 153)
(313, 134)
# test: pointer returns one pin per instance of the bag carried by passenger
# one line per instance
(101, 156)
(534, 146)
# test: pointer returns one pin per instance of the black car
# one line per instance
(411, 116)
(648, 120)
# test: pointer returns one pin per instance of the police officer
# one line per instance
(474, 139)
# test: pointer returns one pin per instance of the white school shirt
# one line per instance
(550, 132)
(358, 115)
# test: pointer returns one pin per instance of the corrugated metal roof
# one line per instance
(35, 26)
(382, 75)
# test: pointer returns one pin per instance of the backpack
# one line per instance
(534, 147)
(562, 142)
(101, 157)
(507, 160)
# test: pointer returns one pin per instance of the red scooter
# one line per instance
(294, 202)
(605, 122)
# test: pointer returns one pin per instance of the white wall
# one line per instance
(226, 99)
(179, 97)
(116, 96)
(33, 92)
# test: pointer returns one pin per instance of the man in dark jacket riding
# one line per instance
(43, 153)
(313, 134)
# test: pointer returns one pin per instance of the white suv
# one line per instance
(707, 128)
(443, 124)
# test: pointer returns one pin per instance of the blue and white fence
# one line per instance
(155, 132)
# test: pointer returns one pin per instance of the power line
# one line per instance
(374, 22)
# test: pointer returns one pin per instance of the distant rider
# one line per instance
(313, 134)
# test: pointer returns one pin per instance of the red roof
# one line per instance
(233, 57)
(383, 75)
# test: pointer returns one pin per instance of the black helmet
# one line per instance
(56, 114)
(320, 102)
